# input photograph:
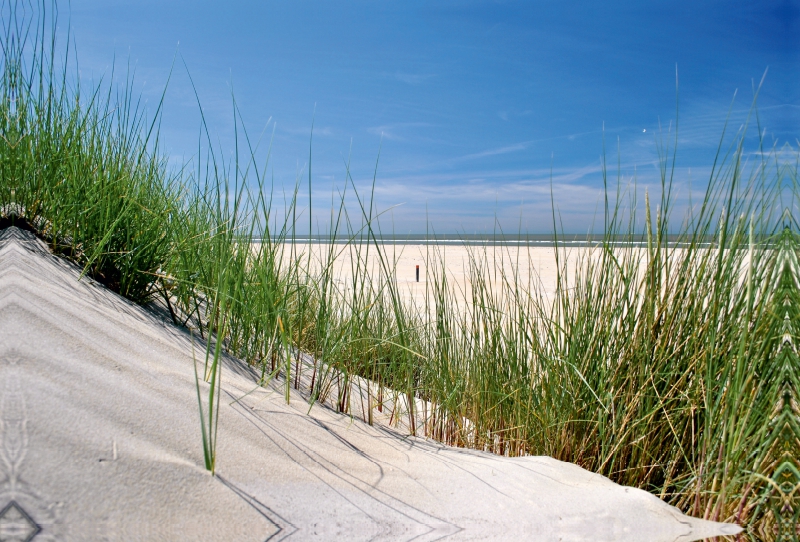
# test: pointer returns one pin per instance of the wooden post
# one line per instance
(417, 273)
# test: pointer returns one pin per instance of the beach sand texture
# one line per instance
(101, 441)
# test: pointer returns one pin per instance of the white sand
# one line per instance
(101, 440)
(534, 269)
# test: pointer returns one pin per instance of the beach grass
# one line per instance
(666, 358)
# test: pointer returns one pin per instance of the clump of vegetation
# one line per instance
(671, 366)
(82, 168)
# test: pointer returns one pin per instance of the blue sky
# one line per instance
(470, 102)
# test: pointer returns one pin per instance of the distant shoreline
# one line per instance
(544, 241)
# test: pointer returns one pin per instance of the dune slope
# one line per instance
(101, 440)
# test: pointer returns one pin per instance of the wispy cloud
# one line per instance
(505, 114)
(515, 147)
(477, 186)
(392, 131)
(412, 78)
(496, 151)
(450, 200)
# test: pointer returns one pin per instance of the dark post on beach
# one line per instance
(417, 273)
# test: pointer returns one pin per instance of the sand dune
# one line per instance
(101, 441)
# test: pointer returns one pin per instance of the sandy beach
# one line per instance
(500, 267)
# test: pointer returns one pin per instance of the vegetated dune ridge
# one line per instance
(512, 275)
(101, 441)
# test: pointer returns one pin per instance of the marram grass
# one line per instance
(671, 366)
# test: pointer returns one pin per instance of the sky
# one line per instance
(467, 114)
